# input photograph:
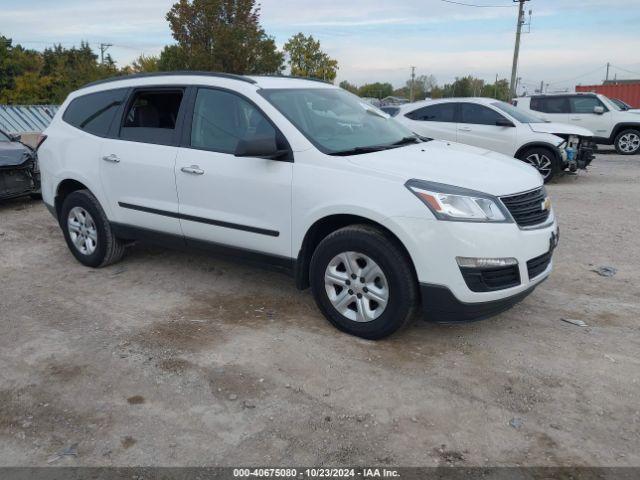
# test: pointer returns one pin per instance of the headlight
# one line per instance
(459, 204)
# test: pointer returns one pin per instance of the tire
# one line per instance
(100, 246)
(627, 142)
(390, 274)
(543, 160)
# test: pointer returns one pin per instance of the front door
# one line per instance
(478, 127)
(241, 202)
(436, 121)
(582, 113)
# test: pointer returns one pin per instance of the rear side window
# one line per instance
(478, 114)
(221, 119)
(94, 113)
(151, 116)
(442, 112)
(584, 104)
(550, 104)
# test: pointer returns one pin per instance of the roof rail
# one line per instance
(231, 76)
(311, 79)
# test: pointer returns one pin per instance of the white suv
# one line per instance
(610, 124)
(494, 125)
(304, 176)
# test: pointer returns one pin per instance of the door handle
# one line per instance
(575, 118)
(193, 169)
(113, 158)
(464, 129)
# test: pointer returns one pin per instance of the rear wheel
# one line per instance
(627, 142)
(88, 232)
(362, 282)
(543, 160)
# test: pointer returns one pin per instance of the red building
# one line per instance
(626, 90)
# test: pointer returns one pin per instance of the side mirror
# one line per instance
(503, 122)
(599, 110)
(260, 147)
(14, 138)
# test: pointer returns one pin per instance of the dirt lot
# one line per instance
(172, 358)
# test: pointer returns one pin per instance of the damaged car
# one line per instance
(497, 126)
(19, 173)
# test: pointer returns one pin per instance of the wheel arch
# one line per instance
(325, 226)
(623, 126)
(538, 144)
(64, 189)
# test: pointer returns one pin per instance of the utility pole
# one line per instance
(413, 81)
(103, 48)
(542, 86)
(516, 50)
(608, 65)
(495, 93)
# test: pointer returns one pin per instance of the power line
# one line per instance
(625, 70)
(579, 76)
(476, 5)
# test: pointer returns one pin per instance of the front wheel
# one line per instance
(627, 142)
(543, 160)
(363, 282)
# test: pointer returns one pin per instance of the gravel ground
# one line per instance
(172, 358)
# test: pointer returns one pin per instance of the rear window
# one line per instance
(151, 116)
(550, 104)
(94, 113)
(442, 112)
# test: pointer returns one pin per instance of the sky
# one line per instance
(570, 41)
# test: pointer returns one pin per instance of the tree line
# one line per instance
(426, 86)
(210, 35)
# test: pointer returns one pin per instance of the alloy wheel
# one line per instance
(541, 162)
(356, 286)
(629, 142)
(82, 231)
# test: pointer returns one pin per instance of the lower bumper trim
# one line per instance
(440, 305)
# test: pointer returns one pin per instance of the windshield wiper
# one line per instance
(360, 150)
(406, 141)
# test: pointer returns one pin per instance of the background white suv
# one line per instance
(610, 124)
(305, 177)
(494, 125)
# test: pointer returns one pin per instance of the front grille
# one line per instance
(527, 209)
(490, 279)
(537, 265)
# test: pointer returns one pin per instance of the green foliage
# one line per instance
(220, 35)
(349, 87)
(376, 90)
(307, 59)
(27, 76)
(470, 86)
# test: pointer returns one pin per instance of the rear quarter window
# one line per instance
(94, 113)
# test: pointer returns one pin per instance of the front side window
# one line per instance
(338, 122)
(442, 112)
(221, 119)
(152, 116)
(94, 113)
(584, 104)
(478, 114)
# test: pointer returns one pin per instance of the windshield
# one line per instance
(619, 104)
(519, 115)
(338, 122)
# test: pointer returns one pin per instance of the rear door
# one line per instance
(242, 202)
(478, 127)
(434, 121)
(582, 113)
(138, 165)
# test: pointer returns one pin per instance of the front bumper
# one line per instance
(434, 245)
(441, 306)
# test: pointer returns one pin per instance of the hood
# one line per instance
(13, 154)
(560, 128)
(454, 164)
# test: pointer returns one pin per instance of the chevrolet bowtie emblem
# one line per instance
(546, 205)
